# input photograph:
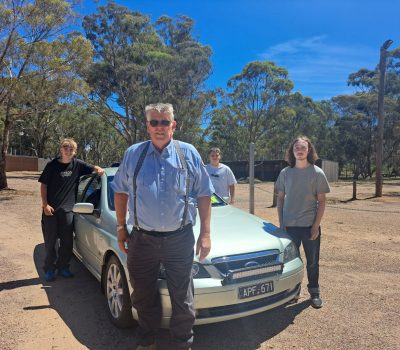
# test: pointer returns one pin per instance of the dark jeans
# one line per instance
(175, 251)
(60, 225)
(311, 249)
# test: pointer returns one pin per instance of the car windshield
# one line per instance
(216, 201)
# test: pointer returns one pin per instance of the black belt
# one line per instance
(161, 233)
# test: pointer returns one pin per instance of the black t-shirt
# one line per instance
(62, 181)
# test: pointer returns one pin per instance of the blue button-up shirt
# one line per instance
(161, 185)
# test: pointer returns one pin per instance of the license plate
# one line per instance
(256, 289)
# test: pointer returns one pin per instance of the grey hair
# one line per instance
(161, 108)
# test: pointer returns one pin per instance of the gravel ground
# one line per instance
(360, 274)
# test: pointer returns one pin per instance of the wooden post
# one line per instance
(251, 177)
(274, 197)
(354, 189)
(381, 118)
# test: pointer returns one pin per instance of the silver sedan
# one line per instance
(252, 266)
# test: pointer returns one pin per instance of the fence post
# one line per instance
(274, 197)
(251, 177)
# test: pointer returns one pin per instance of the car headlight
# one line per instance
(291, 252)
(198, 271)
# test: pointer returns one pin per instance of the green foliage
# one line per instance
(364, 106)
(31, 57)
(137, 63)
(251, 109)
(355, 131)
(94, 89)
(98, 141)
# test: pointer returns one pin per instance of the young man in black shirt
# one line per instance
(58, 189)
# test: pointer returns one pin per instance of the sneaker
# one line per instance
(50, 276)
(66, 273)
(316, 301)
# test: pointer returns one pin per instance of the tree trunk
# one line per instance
(356, 174)
(354, 189)
(4, 147)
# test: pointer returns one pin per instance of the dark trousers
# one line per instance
(59, 225)
(301, 235)
(175, 251)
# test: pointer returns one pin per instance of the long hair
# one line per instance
(312, 155)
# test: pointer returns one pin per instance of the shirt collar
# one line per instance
(168, 150)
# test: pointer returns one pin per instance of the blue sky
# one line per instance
(319, 42)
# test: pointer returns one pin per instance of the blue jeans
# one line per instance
(311, 249)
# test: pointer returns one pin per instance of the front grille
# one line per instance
(225, 264)
(248, 306)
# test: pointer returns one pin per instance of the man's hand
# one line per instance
(48, 210)
(98, 170)
(123, 236)
(314, 232)
(203, 245)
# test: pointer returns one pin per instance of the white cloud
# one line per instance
(318, 68)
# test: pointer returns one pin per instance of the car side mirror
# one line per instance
(83, 208)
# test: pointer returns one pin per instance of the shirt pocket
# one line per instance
(147, 178)
(179, 180)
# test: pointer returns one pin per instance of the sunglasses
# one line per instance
(68, 147)
(163, 122)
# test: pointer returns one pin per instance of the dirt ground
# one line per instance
(360, 280)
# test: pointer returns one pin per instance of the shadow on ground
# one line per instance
(24, 177)
(81, 305)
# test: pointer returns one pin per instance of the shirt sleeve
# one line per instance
(202, 184)
(322, 183)
(85, 168)
(280, 182)
(231, 177)
(45, 176)
(120, 182)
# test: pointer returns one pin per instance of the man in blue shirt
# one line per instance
(159, 182)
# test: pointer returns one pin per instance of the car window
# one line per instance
(84, 180)
(216, 201)
(110, 194)
(92, 193)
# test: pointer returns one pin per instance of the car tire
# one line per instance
(116, 291)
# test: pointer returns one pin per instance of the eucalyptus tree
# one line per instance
(253, 105)
(312, 119)
(367, 81)
(52, 85)
(98, 141)
(355, 125)
(180, 79)
(26, 24)
(225, 131)
(137, 63)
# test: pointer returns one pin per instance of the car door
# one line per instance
(87, 225)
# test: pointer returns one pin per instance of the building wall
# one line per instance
(331, 170)
(268, 170)
(25, 163)
(42, 163)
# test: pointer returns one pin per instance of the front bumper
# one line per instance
(217, 303)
